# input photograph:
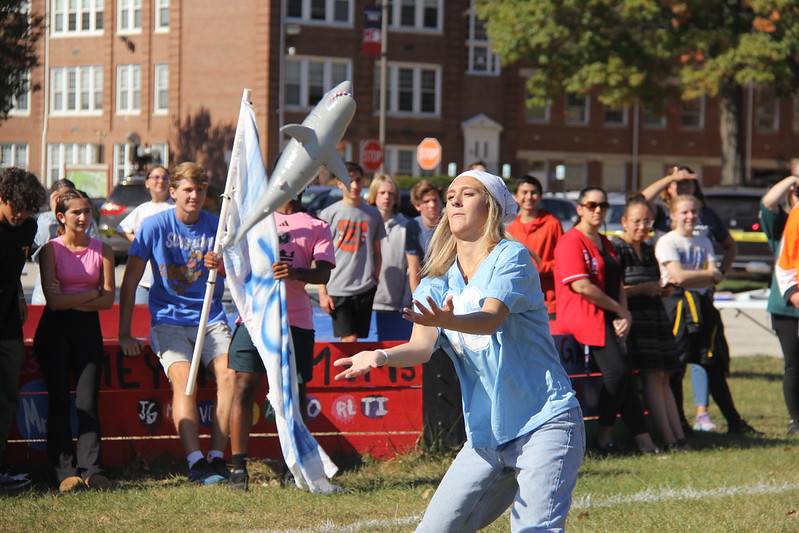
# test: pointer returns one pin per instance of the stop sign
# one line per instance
(371, 155)
(428, 153)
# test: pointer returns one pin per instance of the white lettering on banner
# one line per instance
(314, 407)
(34, 422)
(374, 406)
(175, 240)
(344, 408)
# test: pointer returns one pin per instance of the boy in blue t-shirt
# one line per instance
(174, 242)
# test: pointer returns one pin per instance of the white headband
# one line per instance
(498, 190)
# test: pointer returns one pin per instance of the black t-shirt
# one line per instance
(15, 243)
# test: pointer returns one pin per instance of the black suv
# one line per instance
(740, 210)
(125, 196)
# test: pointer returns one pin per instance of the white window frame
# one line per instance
(59, 155)
(477, 43)
(122, 165)
(129, 16)
(128, 94)
(567, 107)
(160, 86)
(395, 15)
(21, 105)
(393, 74)
(661, 119)
(391, 160)
(161, 16)
(760, 108)
(615, 124)
(60, 90)
(304, 81)
(163, 149)
(60, 16)
(19, 154)
(330, 10)
(701, 113)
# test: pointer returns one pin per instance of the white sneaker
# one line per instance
(704, 423)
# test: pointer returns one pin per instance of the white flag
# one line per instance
(261, 301)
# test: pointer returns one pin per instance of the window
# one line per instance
(412, 89)
(77, 16)
(307, 79)
(767, 110)
(128, 16)
(615, 116)
(401, 160)
(161, 15)
(335, 11)
(537, 113)
(21, 105)
(614, 176)
(14, 155)
(479, 58)
(122, 165)
(422, 15)
(128, 89)
(692, 114)
(76, 90)
(576, 109)
(650, 119)
(575, 176)
(60, 155)
(651, 171)
(161, 89)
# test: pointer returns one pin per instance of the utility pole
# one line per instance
(383, 76)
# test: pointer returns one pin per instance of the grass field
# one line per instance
(725, 483)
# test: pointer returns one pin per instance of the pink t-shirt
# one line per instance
(303, 240)
(78, 271)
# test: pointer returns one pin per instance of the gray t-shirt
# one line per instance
(355, 231)
(394, 289)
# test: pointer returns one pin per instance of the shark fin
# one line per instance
(337, 167)
(302, 134)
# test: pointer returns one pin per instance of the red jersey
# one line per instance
(540, 235)
(577, 257)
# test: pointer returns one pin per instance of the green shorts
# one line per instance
(243, 357)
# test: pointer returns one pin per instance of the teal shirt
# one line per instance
(773, 225)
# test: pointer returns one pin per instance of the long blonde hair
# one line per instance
(443, 251)
(371, 198)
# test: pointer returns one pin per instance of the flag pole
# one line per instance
(196, 357)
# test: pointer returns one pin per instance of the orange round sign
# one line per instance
(428, 153)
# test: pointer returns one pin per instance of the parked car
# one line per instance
(562, 207)
(740, 209)
(125, 196)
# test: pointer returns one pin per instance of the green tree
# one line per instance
(19, 31)
(650, 52)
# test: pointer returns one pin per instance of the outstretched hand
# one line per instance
(359, 364)
(433, 316)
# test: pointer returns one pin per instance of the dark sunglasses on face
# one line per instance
(593, 205)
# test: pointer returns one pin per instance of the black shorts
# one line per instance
(243, 357)
(353, 314)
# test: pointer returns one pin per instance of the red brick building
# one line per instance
(173, 71)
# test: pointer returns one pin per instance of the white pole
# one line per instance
(383, 80)
(220, 233)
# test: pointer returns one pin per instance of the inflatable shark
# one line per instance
(313, 144)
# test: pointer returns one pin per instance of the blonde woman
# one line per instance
(481, 301)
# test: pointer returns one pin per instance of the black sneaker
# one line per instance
(793, 428)
(743, 429)
(219, 466)
(240, 480)
(202, 473)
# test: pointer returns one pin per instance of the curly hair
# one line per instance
(21, 189)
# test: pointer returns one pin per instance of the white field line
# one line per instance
(583, 502)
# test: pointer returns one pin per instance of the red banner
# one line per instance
(372, 30)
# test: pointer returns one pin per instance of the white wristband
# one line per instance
(385, 357)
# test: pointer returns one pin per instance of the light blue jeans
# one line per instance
(535, 472)
(699, 384)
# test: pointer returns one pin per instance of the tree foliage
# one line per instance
(649, 52)
(19, 32)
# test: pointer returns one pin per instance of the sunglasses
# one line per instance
(593, 205)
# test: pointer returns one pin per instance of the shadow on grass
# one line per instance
(745, 374)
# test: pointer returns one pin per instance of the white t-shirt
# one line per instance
(132, 223)
(693, 253)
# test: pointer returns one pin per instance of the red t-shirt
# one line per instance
(541, 235)
(576, 257)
